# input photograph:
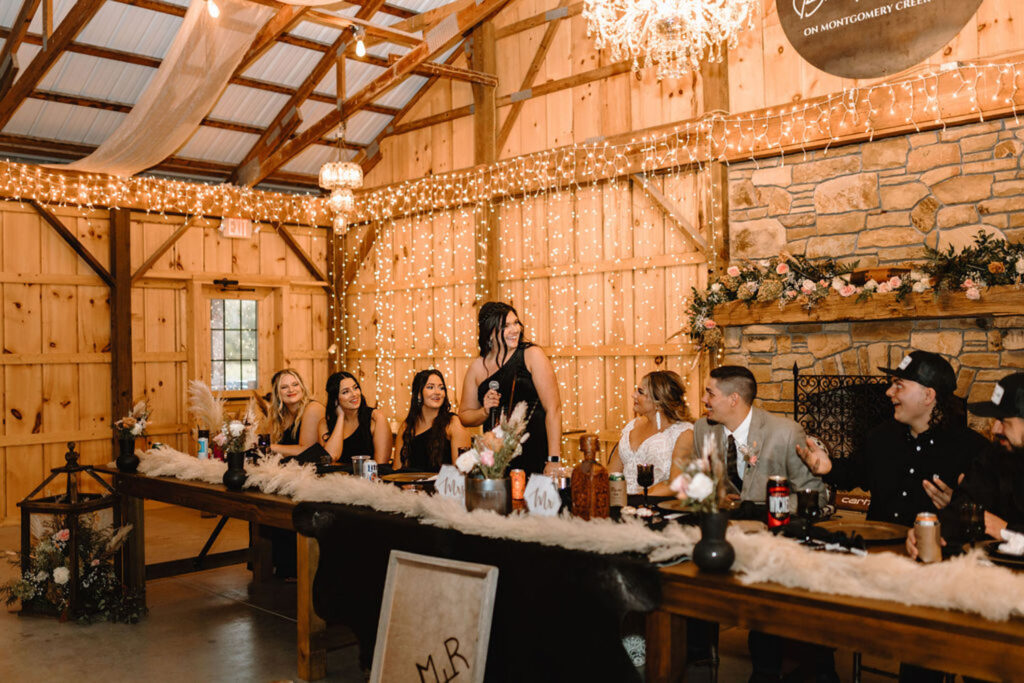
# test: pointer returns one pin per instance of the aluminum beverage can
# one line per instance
(370, 470)
(777, 496)
(518, 484)
(616, 490)
(928, 532)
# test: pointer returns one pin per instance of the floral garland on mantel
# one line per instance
(794, 280)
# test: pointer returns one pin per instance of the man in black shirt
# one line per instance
(907, 463)
(995, 479)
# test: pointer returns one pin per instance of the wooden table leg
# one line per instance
(312, 631)
(666, 647)
(134, 546)
(260, 552)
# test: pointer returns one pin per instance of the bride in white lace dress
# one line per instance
(660, 435)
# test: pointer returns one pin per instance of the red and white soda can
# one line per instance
(777, 496)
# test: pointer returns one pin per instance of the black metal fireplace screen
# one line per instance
(840, 409)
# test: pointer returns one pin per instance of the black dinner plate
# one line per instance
(992, 550)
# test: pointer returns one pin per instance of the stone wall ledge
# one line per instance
(995, 301)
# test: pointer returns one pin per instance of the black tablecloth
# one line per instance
(557, 612)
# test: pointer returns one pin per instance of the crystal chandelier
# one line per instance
(673, 35)
(341, 177)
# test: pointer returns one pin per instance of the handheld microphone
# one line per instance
(495, 416)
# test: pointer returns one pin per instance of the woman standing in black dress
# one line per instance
(431, 434)
(351, 427)
(521, 372)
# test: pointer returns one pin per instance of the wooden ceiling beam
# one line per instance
(438, 39)
(75, 20)
(288, 117)
(9, 53)
(531, 74)
(285, 19)
(52, 150)
(371, 154)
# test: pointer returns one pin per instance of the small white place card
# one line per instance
(542, 496)
(451, 483)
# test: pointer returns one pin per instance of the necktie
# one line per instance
(730, 463)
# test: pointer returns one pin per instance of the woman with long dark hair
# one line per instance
(350, 426)
(431, 434)
(519, 371)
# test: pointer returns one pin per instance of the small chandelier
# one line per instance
(673, 35)
(341, 177)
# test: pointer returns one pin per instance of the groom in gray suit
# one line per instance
(756, 443)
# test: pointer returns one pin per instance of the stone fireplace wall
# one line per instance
(879, 204)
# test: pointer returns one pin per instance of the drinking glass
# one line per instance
(645, 478)
(808, 505)
(972, 517)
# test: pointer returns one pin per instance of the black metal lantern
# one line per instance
(63, 538)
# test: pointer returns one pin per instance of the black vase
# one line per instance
(713, 553)
(235, 476)
(126, 461)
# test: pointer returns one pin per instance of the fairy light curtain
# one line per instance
(190, 80)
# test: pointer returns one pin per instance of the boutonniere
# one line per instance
(750, 452)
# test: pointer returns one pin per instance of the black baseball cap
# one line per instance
(928, 369)
(1007, 399)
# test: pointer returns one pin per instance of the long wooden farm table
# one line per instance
(935, 638)
(259, 508)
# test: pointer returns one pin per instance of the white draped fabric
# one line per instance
(190, 80)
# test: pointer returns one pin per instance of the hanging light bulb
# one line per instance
(212, 8)
(342, 201)
(340, 224)
(360, 45)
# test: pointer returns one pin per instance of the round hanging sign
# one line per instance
(871, 38)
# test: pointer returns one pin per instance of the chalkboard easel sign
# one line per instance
(435, 620)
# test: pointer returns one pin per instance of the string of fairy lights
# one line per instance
(538, 197)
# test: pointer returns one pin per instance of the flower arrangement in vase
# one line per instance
(486, 464)
(127, 429)
(702, 488)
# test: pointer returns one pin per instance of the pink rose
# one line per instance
(709, 323)
(822, 283)
(968, 283)
(808, 286)
(487, 457)
(884, 288)
(63, 535)
(782, 269)
(895, 282)
(94, 563)
(733, 271)
(752, 460)
(220, 439)
(847, 290)
(973, 293)
(680, 485)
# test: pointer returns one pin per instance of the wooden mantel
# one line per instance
(1005, 300)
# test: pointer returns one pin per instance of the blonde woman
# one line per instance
(294, 415)
(660, 435)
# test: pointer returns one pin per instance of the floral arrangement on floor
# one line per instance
(788, 279)
(492, 451)
(134, 424)
(703, 486)
(45, 585)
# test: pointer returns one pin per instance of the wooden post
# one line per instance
(120, 314)
(312, 630)
(485, 151)
(715, 86)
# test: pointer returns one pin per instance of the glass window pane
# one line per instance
(217, 314)
(248, 374)
(249, 345)
(217, 345)
(218, 376)
(232, 317)
(249, 315)
(233, 375)
(232, 345)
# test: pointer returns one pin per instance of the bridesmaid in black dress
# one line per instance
(294, 415)
(351, 427)
(431, 434)
(523, 373)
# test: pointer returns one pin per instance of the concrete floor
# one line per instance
(214, 626)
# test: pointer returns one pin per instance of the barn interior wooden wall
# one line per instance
(599, 271)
